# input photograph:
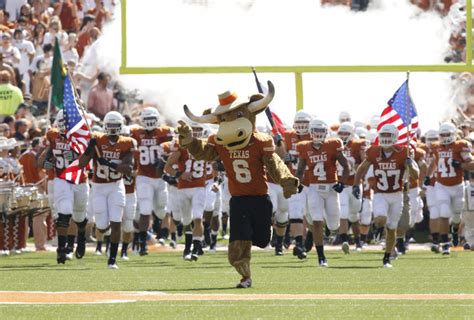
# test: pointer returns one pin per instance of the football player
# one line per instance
(152, 191)
(321, 156)
(389, 162)
(70, 200)
(297, 202)
(451, 158)
(354, 152)
(113, 158)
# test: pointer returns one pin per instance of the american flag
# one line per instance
(396, 113)
(77, 133)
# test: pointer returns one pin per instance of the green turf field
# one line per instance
(359, 273)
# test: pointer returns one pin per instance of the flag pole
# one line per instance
(408, 114)
(48, 110)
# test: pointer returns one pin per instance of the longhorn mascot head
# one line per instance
(235, 116)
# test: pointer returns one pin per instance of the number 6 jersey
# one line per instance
(245, 169)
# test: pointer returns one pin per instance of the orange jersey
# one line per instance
(291, 140)
(150, 149)
(245, 169)
(115, 152)
(459, 150)
(353, 153)
(368, 183)
(429, 158)
(419, 156)
(130, 184)
(321, 162)
(186, 163)
(388, 171)
(59, 145)
(31, 173)
(50, 173)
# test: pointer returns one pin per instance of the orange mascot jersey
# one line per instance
(150, 149)
(113, 152)
(245, 169)
(321, 162)
(352, 151)
(186, 163)
(59, 145)
(291, 140)
(446, 174)
(388, 170)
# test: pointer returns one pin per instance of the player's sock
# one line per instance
(62, 240)
(299, 241)
(188, 240)
(113, 252)
(363, 238)
(344, 237)
(213, 238)
(444, 238)
(107, 243)
(98, 247)
(173, 236)
(386, 257)
(179, 229)
(124, 249)
(197, 245)
(136, 241)
(142, 236)
(165, 232)
(320, 252)
(70, 241)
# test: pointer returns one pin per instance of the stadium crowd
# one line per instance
(164, 175)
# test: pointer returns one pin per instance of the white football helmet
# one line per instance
(346, 132)
(431, 136)
(344, 116)
(301, 122)
(388, 135)
(319, 130)
(113, 122)
(60, 122)
(125, 131)
(149, 118)
(374, 122)
(361, 132)
(200, 130)
(371, 135)
(447, 133)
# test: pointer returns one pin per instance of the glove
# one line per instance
(68, 155)
(90, 146)
(178, 174)
(107, 163)
(300, 188)
(289, 186)
(356, 191)
(185, 133)
(456, 164)
(48, 165)
(278, 139)
(160, 164)
(220, 166)
(338, 187)
(169, 179)
(427, 181)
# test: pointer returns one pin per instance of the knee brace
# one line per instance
(296, 220)
(62, 220)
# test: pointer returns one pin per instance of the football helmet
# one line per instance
(374, 122)
(371, 135)
(149, 118)
(125, 131)
(200, 130)
(319, 130)
(346, 132)
(388, 135)
(447, 133)
(113, 122)
(301, 122)
(361, 132)
(344, 116)
(431, 136)
(60, 122)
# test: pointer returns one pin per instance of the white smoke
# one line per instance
(281, 32)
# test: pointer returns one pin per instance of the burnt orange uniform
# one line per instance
(31, 173)
(130, 181)
(186, 163)
(150, 149)
(419, 156)
(244, 167)
(321, 162)
(114, 152)
(446, 174)
(59, 145)
(388, 171)
(429, 158)
(352, 151)
(291, 140)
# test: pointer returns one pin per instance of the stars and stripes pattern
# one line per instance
(396, 114)
(77, 133)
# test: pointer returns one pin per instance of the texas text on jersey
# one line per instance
(321, 163)
(246, 174)
(114, 152)
(150, 149)
(446, 173)
(388, 169)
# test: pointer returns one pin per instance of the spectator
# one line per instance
(70, 54)
(13, 8)
(11, 54)
(38, 37)
(27, 52)
(41, 11)
(21, 129)
(10, 96)
(84, 37)
(4, 130)
(100, 99)
(101, 14)
(5, 20)
(33, 175)
(67, 12)
(41, 70)
(55, 31)
(6, 67)
(10, 122)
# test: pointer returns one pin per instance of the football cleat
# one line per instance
(345, 247)
(278, 250)
(113, 266)
(173, 244)
(124, 257)
(323, 262)
(143, 253)
(445, 250)
(61, 256)
(387, 265)
(299, 252)
(98, 252)
(359, 246)
(435, 248)
(81, 248)
(244, 283)
(161, 241)
(467, 246)
(69, 256)
(394, 254)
